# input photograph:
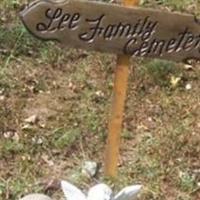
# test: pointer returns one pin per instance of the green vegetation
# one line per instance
(70, 91)
(160, 71)
(64, 139)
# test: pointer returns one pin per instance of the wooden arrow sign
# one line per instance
(115, 29)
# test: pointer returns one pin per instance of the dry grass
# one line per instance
(70, 91)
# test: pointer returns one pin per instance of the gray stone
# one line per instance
(36, 197)
(89, 168)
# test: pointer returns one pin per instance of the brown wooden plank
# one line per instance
(115, 29)
(112, 152)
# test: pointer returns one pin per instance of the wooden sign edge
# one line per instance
(65, 2)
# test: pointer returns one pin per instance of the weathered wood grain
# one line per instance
(115, 29)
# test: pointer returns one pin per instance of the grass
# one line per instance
(159, 71)
(64, 139)
(177, 4)
(71, 91)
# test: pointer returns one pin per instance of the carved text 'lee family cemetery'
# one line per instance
(115, 29)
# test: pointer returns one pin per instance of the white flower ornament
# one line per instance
(99, 192)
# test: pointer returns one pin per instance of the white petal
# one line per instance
(71, 192)
(128, 193)
(100, 192)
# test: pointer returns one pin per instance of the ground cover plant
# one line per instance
(54, 108)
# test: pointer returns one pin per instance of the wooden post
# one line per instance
(115, 123)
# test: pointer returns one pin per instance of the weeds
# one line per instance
(160, 71)
(161, 140)
(64, 139)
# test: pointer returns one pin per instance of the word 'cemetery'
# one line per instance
(116, 29)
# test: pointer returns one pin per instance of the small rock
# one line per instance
(89, 168)
(75, 124)
(27, 157)
(99, 93)
(8, 134)
(42, 124)
(150, 119)
(188, 86)
(3, 19)
(11, 134)
(37, 141)
(188, 67)
(181, 174)
(196, 171)
(2, 97)
(32, 119)
(72, 86)
(26, 127)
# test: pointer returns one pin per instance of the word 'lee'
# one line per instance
(141, 35)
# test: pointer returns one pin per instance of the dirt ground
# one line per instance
(54, 109)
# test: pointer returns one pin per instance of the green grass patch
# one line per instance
(64, 138)
(159, 71)
(10, 147)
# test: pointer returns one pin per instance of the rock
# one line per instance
(11, 134)
(36, 197)
(8, 134)
(89, 168)
(27, 127)
(38, 141)
(99, 93)
(2, 98)
(188, 67)
(188, 86)
(32, 119)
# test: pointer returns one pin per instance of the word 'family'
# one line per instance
(141, 35)
(142, 31)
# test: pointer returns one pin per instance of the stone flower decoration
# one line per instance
(97, 192)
